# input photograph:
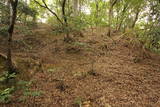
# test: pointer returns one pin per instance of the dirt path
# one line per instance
(101, 73)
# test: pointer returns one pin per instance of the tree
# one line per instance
(24, 10)
(122, 17)
(112, 4)
(65, 18)
(13, 14)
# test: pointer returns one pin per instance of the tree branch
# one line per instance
(46, 7)
(39, 4)
(114, 2)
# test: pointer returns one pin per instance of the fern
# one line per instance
(6, 94)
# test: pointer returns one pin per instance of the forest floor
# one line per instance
(92, 71)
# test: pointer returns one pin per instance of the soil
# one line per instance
(92, 71)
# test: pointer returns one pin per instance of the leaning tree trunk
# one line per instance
(122, 17)
(136, 18)
(13, 13)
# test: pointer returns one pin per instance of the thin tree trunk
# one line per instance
(120, 24)
(97, 11)
(65, 18)
(112, 3)
(136, 18)
(110, 18)
(122, 17)
(63, 12)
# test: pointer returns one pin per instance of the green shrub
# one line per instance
(6, 76)
(151, 38)
(26, 92)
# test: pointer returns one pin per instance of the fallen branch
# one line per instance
(4, 57)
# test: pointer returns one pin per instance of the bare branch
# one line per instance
(114, 2)
(39, 4)
(46, 7)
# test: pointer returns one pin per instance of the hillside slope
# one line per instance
(94, 70)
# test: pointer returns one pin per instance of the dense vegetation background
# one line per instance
(79, 45)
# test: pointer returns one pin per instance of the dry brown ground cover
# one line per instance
(93, 71)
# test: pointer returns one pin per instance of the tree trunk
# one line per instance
(97, 11)
(136, 18)
(122, 17)
(120, 24)
(110, 18)
(112, 3)
(13, 14)
(65, 19)
(63, 12)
